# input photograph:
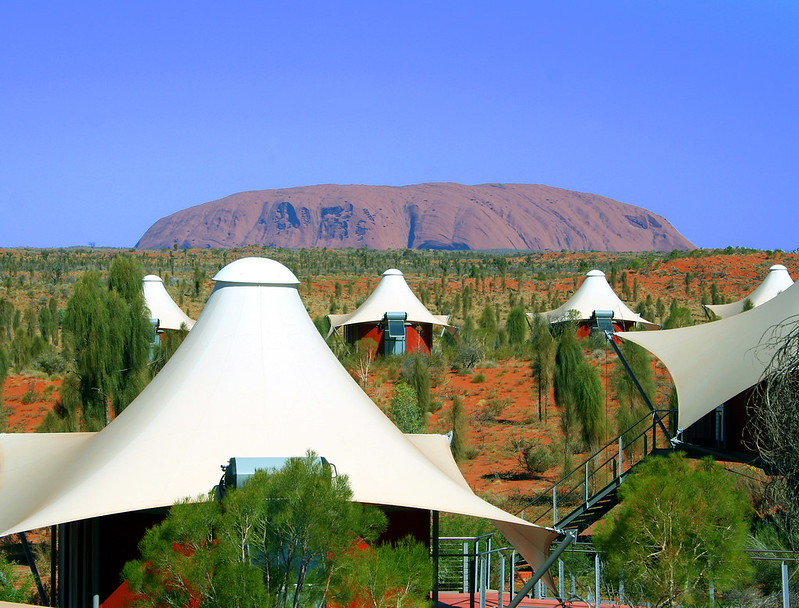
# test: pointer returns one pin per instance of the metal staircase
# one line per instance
(589, 491)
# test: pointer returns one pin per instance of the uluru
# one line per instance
(443, 216)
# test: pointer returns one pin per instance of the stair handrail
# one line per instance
(655, 416)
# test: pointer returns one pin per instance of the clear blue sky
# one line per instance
(115, 114)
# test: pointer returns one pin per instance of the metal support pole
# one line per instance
(621, 453)
(786, 596)
(466, 567)
(585, 487)
(712, 592)
(488, 564)
(53, 568)
(596, 579)
(609, 337)
(482, 568)
(26, 549)
(501, 586)
(561, 588)
(512, 582)
(555, 506)
(570, 537)
(436, 555)
(472, 575)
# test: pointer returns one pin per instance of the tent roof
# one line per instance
(594, 294)
(712, 362)
(253, 378)
(777, 280)
(392, 294)
(162, 306)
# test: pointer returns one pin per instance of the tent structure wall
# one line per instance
(725, 429)
(418, 336)
(392, 295)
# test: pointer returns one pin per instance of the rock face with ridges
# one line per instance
(424, 216)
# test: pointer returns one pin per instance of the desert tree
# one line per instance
(680, 528)
(632, 406)
(568, 359)
(276, 541)
(589, 396)
(774, 428)
(458, 422)
(416, 372)
(395, 575)
(516, 326)
(543, 361)
(107, 335)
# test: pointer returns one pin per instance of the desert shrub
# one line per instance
(30, 397)
(13, 586)
(388, 576)
(478, 378)
(50, 363)
(533, 460)
(404, 410)
(416, 372)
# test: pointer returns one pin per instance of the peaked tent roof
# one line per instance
(777, 280)
(594, 294)
(712, 362)
(253, 378)
(162, 306)
(392, 294)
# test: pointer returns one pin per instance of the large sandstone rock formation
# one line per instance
(432, 216)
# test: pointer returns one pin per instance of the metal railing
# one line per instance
(601, 472)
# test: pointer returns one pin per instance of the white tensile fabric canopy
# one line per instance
(392, 294)
(777, 280)
(712, 362)
(162, 306)
(253, 379)
(594, 294)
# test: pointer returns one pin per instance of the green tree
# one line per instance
(107, 335)
(568, 360)
(679, 316)
(92, 336)
(3, 373)
(543, 361)
(276, 541)
(388, 576)
(487, 324)
(516, 326)
(632, 406)
(678, 529)
(416, 372)
(125, 278)
(404, 410)
(589, 396)
(458, 422)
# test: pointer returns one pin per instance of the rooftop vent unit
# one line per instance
(602, 320)
(394, 335)
(239, 470)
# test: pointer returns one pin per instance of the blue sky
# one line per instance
(113, 115)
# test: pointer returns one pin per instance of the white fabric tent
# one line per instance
(594, 294)
(392, 294)
(777, 280)
(712, 362)
(162, 306)
(253, 378)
